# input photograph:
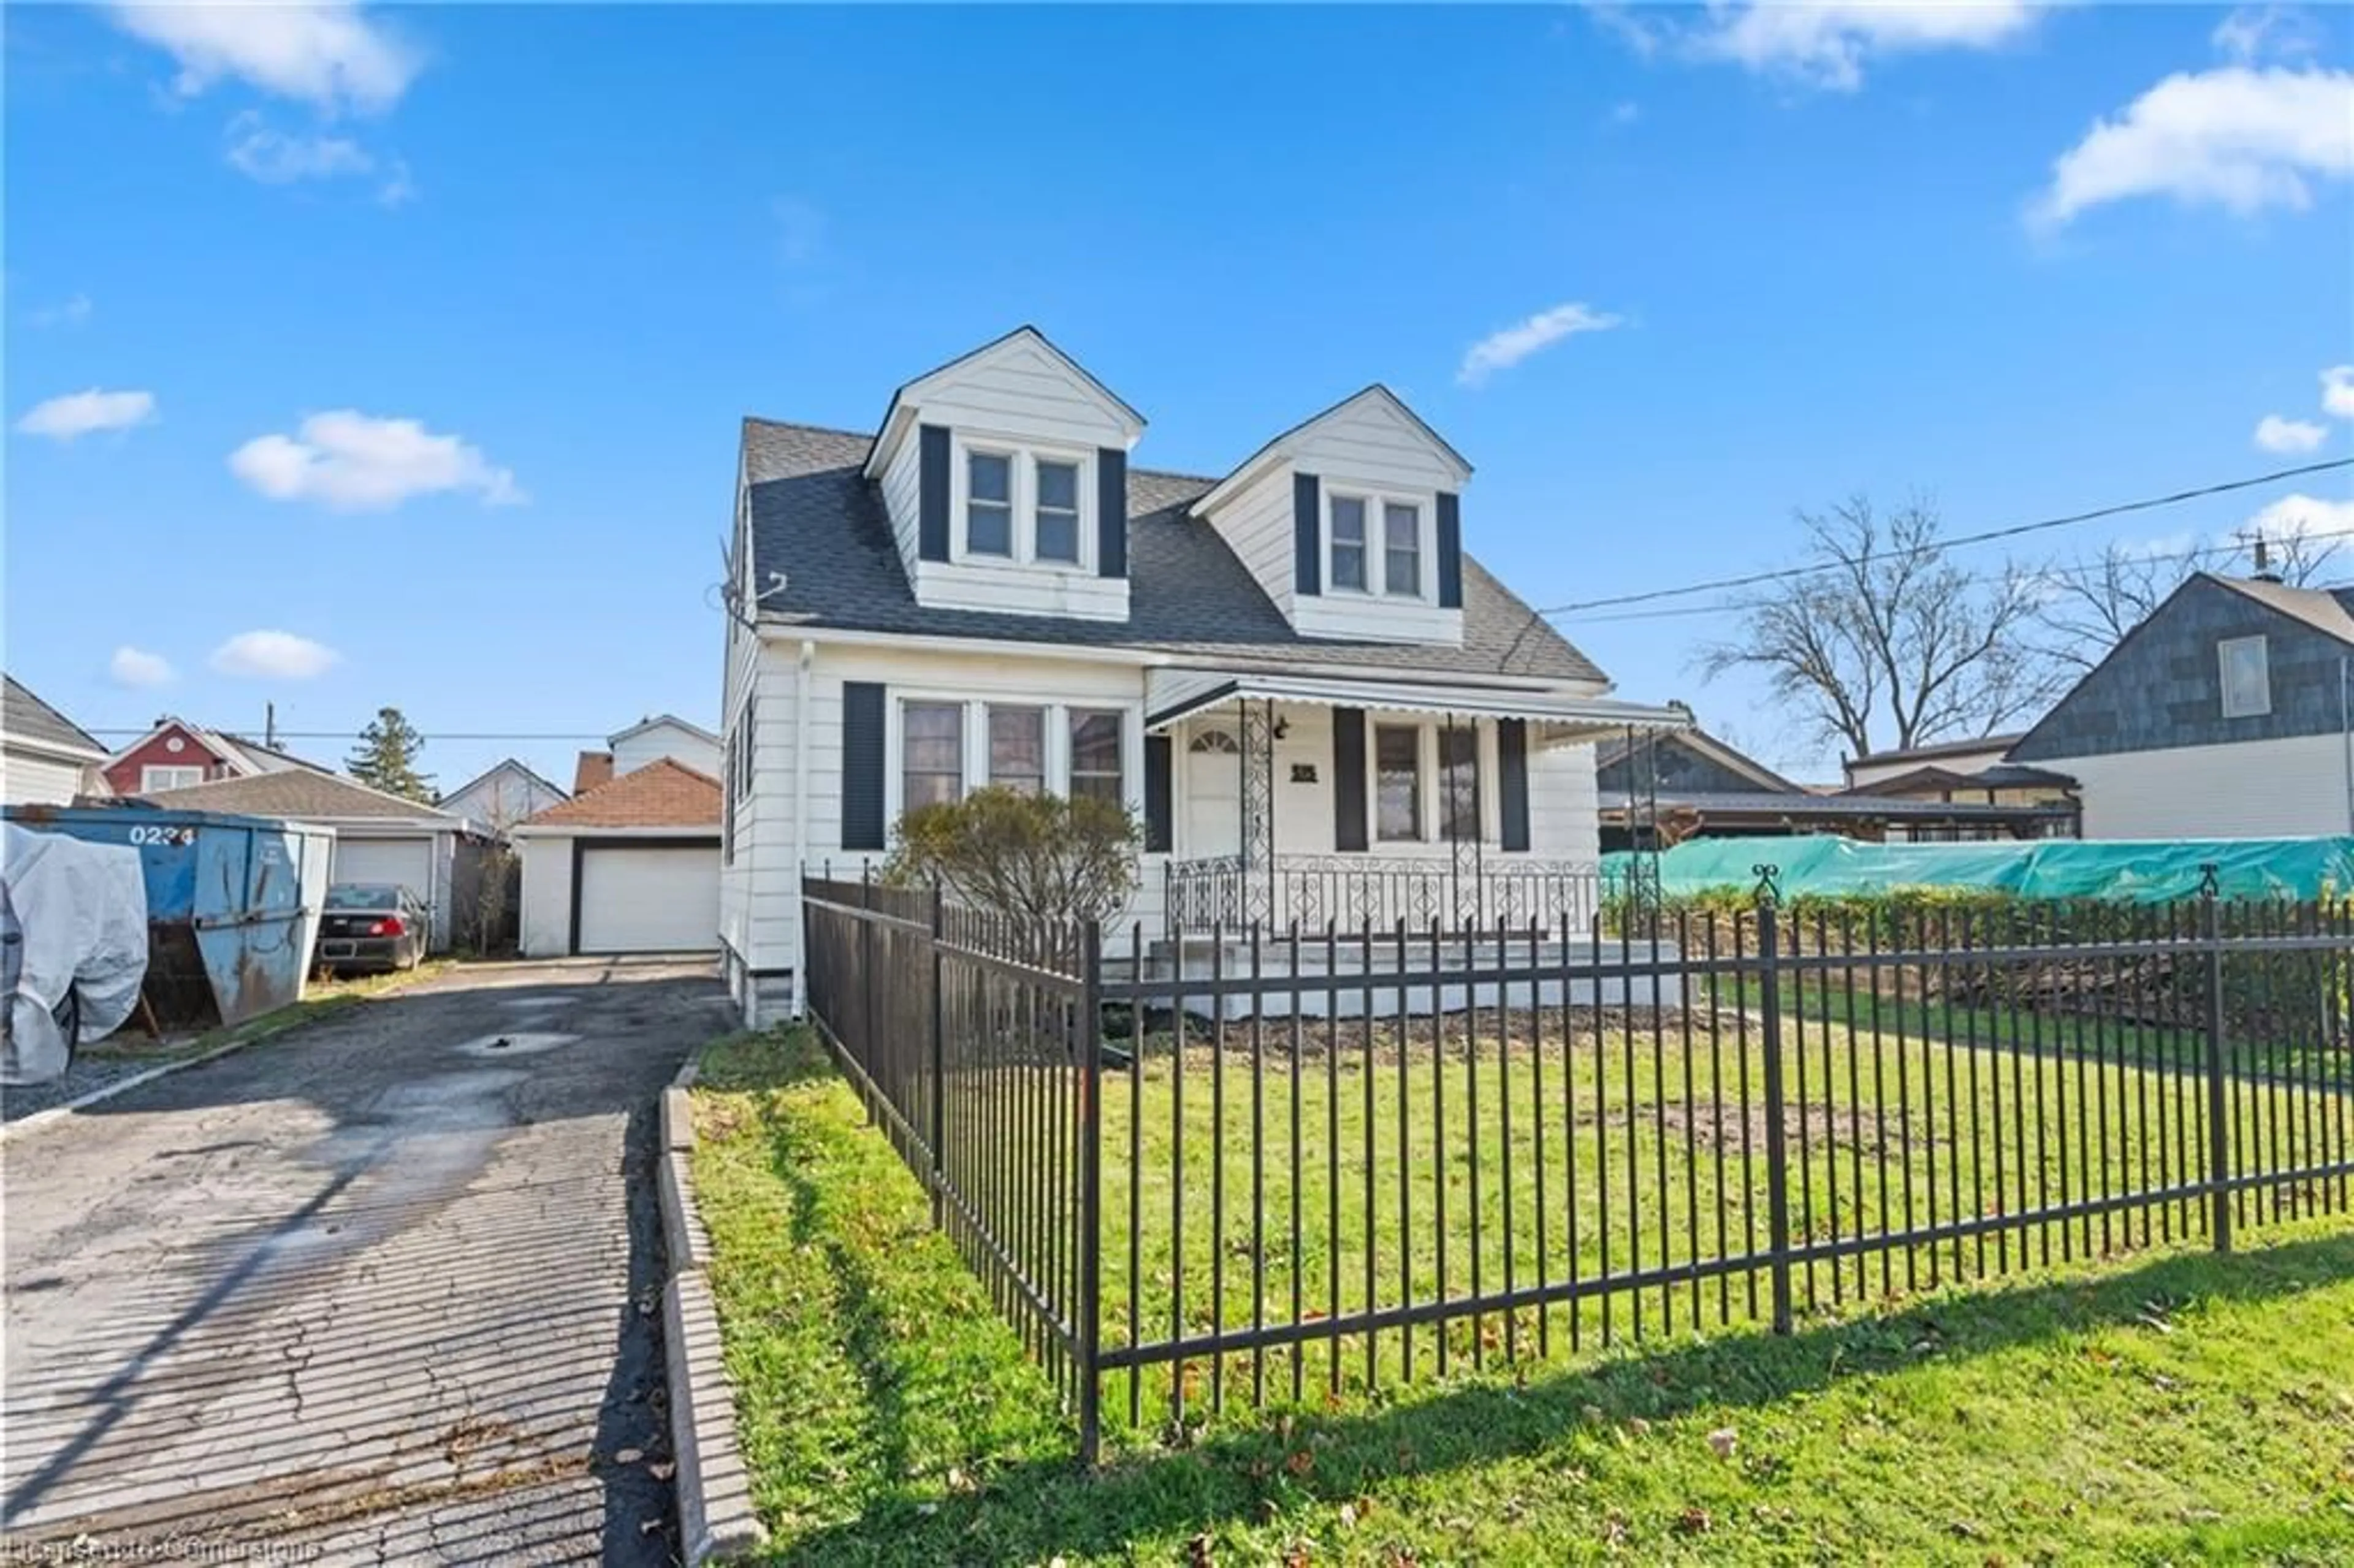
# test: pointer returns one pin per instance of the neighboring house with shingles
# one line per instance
(1319, 705)
(501, 796)
(46, 759)
(175, 754)
(2228, 712)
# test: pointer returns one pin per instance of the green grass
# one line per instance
(2178, 1408)
(1645, 1149)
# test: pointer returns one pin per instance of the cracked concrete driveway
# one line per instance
(385, 1289)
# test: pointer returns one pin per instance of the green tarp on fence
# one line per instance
(2131, 871)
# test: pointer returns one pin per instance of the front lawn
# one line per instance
(2180, 1407)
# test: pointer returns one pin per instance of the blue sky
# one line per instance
(420, 335)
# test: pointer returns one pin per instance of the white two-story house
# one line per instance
(1322, 708)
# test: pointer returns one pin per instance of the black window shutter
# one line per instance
(1348, 778)
(1512, 794)
(932, 460)
(1306, 536)
(862, 765)
(1158, 766)
(1450, 551)
(1112, 513)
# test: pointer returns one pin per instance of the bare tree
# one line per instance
(2089, 605)
(1883, 641)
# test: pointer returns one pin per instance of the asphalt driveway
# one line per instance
(383, 1289)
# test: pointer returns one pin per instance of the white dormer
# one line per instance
(1352, 522)
(1005, 475)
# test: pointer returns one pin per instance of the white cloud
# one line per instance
(137, 667)
(353, 462)
(326, 53)
(2337, 391)
(1503, 349)
(2235, 137)
(78, 414)
(275, 158)
(2253, 33)
(398, 189)
(274, 656)
(1821, 45)
(2275, 434)
(70, 311)
(2304, 517)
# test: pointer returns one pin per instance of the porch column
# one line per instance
(1257, 763)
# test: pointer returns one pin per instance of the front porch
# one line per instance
(1329, 804)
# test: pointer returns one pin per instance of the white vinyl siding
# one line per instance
(2252, 789)
(29, 780)
(681, 746)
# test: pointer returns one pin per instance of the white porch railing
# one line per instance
(1354, 892)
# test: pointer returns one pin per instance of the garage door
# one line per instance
(645, 900)
(407, 862)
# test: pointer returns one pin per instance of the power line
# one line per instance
(2078, 572)
(2012, 531)
(354, 734)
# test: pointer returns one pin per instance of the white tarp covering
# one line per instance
(76, 917)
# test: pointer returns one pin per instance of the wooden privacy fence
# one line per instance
(1235, 1166)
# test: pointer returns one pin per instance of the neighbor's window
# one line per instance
(1058, 512)
(153, 778)
(2247, 677)
(988, 504)
(1349, 542)
(1458, 782)
(1397, 782)
(931, 746)
(1017, 748)
(1094, 756)
(1402, 558)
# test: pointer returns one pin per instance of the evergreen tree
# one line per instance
(386, 758)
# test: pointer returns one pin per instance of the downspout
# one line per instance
(801, 816)
(2346, 734)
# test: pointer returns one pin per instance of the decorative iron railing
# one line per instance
(1351, 891)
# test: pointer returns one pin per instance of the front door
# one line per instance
(1213, 794)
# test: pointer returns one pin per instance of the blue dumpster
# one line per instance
(232, 904)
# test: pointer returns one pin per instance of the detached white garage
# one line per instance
(630, 866)
(380, 837)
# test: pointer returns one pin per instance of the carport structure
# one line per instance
(630, 866)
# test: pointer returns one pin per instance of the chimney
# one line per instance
(2263, 572)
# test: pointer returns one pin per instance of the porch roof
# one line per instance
(1173, 694)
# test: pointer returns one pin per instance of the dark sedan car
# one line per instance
(371, 927)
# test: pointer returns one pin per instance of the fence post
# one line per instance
(1090, 1130)
(2219, 1132)
(1777, 1161)
(868, 1066)
(936, 1132)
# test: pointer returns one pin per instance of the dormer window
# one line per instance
(1388, 563)
(1058, 512)
(1349, 542)
(1402, 563)
(988, 504)
(1026, 505)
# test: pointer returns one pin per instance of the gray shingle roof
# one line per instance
(24, 715)
(300, 793)
(819, 521)
(2320, 608)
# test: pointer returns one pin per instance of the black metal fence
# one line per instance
(1240, 1166)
